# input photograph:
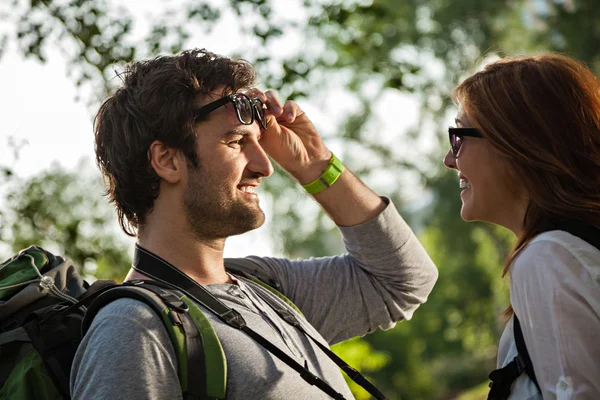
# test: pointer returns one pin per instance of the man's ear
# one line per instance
(167, 162)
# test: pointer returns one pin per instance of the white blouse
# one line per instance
(555, 291)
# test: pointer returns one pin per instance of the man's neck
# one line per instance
(201, 260)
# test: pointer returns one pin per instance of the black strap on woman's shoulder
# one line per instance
(503, 378)
(160, 270)
(587, 232)
(522, 349)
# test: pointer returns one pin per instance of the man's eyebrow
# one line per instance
(457, 121)
(240, 131)
(236, 131)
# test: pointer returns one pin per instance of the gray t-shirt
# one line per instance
(386, 275)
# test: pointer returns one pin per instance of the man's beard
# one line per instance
(211, 215)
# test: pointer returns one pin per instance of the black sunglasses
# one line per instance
(456, 137)
(246, 109)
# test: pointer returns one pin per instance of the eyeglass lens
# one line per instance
(243, 109)
(247, 109)
(455, 142)
(260, 112)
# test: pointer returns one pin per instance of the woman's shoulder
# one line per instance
(557, 252)
(555, 266)
(554, 290)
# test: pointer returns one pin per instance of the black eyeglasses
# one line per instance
(246, 109)
(456, 136)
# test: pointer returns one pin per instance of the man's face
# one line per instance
(220, 199)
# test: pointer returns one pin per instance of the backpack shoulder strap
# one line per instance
(522, 349)
(248, 269)
(198, 350)
(152, 265)
(503, 378)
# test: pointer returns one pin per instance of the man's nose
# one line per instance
(259, 162)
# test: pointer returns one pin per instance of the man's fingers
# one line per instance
(286, 113)
(255, 93)
(291, 110)
(273, 104)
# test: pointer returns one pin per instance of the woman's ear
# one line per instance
(166, 161)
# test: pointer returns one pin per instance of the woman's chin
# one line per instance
(466, 216)
(466, 212)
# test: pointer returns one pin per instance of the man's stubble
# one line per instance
(212, 214)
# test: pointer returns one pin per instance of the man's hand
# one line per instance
(294, 143)
(291, 139)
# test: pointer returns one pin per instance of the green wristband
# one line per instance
(327, 178)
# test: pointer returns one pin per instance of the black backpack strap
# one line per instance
(522, 349)
(503, 378)
(582, 230)
(155, 267)
(250, 272)
(174, 312)
(291, 319)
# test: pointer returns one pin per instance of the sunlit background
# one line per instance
(374, 76)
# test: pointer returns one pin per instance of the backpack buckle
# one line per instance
(233, 318)
(46, 283)
(176, 304)
(175, 319)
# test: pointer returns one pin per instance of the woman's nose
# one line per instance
(449, 160)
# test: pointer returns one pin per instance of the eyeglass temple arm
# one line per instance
(211, 107)
(473, 132)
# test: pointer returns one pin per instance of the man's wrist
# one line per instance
(328, 177)
(309, 170)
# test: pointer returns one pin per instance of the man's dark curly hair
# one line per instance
(156, 102)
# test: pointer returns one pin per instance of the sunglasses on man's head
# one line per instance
(456, 137)
(246, 109)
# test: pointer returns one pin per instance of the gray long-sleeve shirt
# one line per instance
(386, 275)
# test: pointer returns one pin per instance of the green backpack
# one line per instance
(46, 307)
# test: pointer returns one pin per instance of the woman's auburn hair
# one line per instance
(542, 114)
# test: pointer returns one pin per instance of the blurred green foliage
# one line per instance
(374, 47)
(65, 212)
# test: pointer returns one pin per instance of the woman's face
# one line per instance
(488, 191)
